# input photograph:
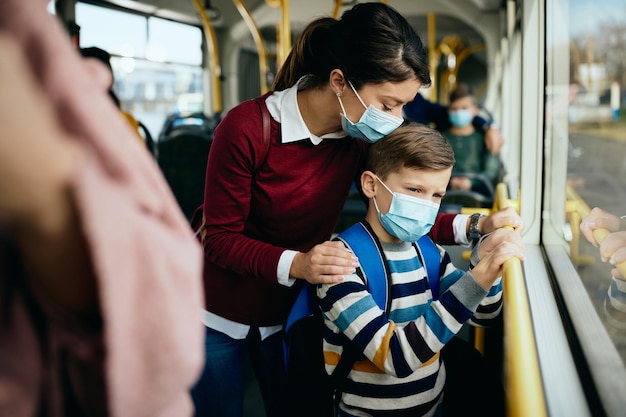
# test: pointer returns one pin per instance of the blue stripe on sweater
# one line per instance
(495, 289)
(404, 315)
(437, 326)
(352, 313)
(449, 280)
(405, 265)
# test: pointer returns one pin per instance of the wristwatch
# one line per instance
(474, 233)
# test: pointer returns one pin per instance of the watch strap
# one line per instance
(474, 233)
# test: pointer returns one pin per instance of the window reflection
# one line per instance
(594, 125)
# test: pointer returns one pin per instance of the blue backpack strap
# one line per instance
(360, 240)
(431, 258)
(302, 306)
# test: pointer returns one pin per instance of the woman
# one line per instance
(269, 213)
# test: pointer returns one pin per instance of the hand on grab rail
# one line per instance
(608, 232)
(497, 248)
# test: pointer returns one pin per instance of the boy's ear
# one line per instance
(368, 184)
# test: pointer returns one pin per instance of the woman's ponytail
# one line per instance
(307, 56)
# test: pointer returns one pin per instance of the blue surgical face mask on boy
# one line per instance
(373, 125)
(460, 118)
(408, 218)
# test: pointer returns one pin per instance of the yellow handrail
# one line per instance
(258, 41)
(524, 386)
(214, 64)
(575, 210)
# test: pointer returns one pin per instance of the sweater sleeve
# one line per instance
(237, 147)
(399, 350)
(442, 231)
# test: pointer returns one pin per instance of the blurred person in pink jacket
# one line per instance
(100, 275)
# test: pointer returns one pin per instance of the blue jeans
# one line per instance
(220, 389)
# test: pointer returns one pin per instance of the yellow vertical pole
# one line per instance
(214, 64)
(432, 54)
(337, 9)
(284, 34)
(258, 41)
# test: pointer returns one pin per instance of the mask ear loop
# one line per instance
(343, 109)
(357, 94)
(387, 188)
(384, 185)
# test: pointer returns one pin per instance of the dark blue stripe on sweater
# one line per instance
(392, 391)
(397, 355)
(455, 307)
(337, 292)
(419, 346)
(490, 308)
(367, 333)
(410, 288)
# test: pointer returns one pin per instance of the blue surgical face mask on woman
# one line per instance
(373, 125)
(460, 118)
(408, 218)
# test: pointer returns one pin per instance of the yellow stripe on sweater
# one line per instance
(332, 358)
(383, 350)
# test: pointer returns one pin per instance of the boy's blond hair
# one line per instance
(412, 145)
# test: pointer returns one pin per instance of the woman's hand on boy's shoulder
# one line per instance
(325, 263)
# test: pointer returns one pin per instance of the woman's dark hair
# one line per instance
(372, 43)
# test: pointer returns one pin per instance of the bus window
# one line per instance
(586, 61)
(157, 63)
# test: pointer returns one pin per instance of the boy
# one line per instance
(468, 145)
(402, 374)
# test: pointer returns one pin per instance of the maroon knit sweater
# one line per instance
(292, 202)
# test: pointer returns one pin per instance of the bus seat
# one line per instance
(455, 200)
(182, 153)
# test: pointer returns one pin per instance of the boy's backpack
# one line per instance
(311, 391)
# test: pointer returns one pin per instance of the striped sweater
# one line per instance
(401, 372)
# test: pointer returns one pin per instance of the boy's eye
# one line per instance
(386, 108)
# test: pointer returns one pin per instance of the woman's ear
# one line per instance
(337, 81)
(368, 184)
